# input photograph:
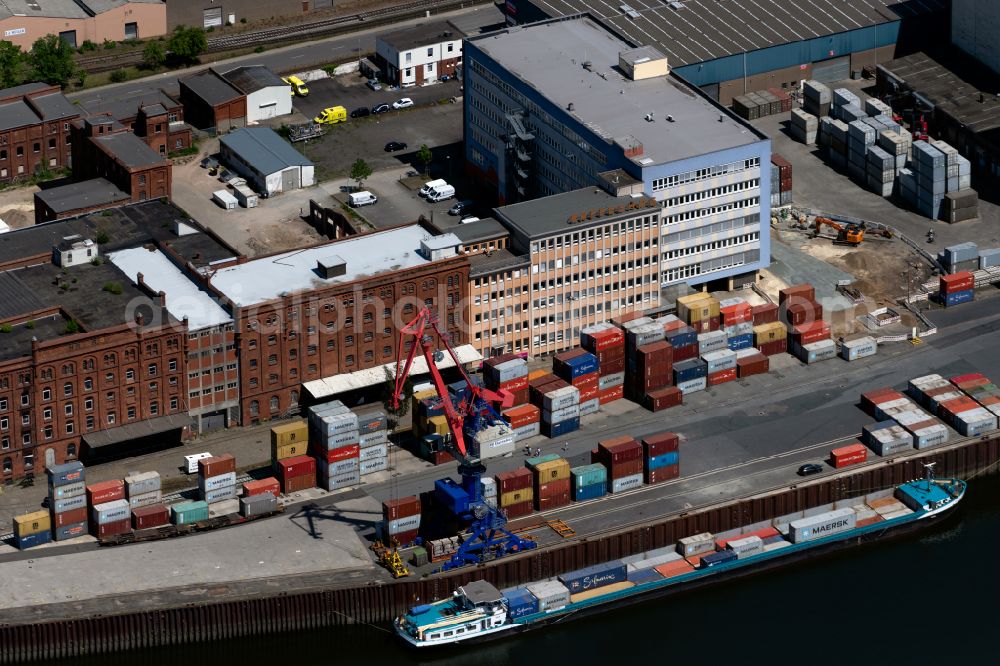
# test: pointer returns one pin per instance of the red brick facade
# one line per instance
(93, 159)
(44, 144)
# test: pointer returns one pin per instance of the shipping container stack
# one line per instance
(784, 177)
(960, 206)
(650, 376)
(32, 529)
(720, 366)
(260, 497)
(335, 445)
(816, 98)
(736, 319)
(508, 372)
(143, 489)
(804, 126)
(845, 104)
(808, 335)
(582, 370)
(700, 311)
(661, 457)
(67, 500)
(106, 500)
(525, 421)
(960, 257)
(898, 145)
(373, 442)
(217, 478)
(588, 482)
(858, 347)
(989, 258)
(981, 389)
(881, 171)
(837, 130)
(515, 491)
(607, 342)
(887, 404)
(751, 362)
(559, 403)
(956, 288)
(622, 457)
(550, 481)
(401, 519)
(860, 137)
(929, 170)
(770, 336)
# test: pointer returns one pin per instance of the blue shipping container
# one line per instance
(589, 492)
(692, 368)
(958, 298)
(682, 337)
(452, 495)
(586, 475)
(32, 540)
(430, 407)
(561, 428)
(719, 557)
(773, 539)
(584, 364)
(739, 342)
(593, 577)
(521, 603)
(61, 475)
(640, 576)
(663, 460)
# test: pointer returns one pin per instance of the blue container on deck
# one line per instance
(958, 297)
(593, 577)
(773, 539)
(719, 557)
(520, 602)
(692, 368)
(452, 495)
(584, 364)
(682, 337)
(738, 342)
(663, 460)
(588, 475)
(640, 576)
(32, 540)
(561, 428)
(589, 492)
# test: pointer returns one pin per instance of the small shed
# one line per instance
(266, 93)
(268, 162)
(224, 199)
(246, 196)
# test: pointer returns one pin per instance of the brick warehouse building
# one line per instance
(334, 309)
(35, 123)
(104, 148)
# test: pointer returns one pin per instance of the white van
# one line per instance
(432, 184)
(441, 193)
(363, 198)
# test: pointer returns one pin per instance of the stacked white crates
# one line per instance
(860, 136)
(881, 171)
(803, 126)
(930, 169)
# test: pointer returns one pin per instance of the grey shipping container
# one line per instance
(624, 483)
(696, 544)
(551, 594)
(220, 494)
(207, 484)
(258, 505)
(67, 491)
(110, 512)
(372, 465)
(139, 483)
(693, 385)
(145, 499)
(378, 451)
(69, 503)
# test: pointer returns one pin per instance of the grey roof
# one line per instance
(263, 149)
(253, 78)
(55, 106)
(484, 18)
(154, 109)
(420, 34)
(101, 6)
(130, 150)
(480, 592)
(606, 102)
(702, 30)
(552, 214)
(127, 105)
(42, 8)
(483, 263)
(485, 229)
(85, 194)
(211, 87)
(24, 88)
(17, 299)
(17, 114)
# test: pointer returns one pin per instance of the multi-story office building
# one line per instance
(599, 104)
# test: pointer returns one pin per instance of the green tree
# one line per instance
(424, 155)
(393, 416)
(186, 44)
(11, 65)
(153, 56)
(360, 171)
(51, 60)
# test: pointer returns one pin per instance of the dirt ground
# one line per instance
(17, 206)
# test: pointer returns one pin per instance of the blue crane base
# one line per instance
(490, 540)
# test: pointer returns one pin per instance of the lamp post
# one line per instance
(448, 158)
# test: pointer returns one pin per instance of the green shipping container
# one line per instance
(587, 475)
(531, 463)
(186, 513)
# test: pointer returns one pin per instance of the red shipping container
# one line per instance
(972, 383)
(656, 352)
(297, 466)
(516, 479)
(613, 366)
(685, 352)
(660, 443)
(961, 281)
(620, 449)
(502, 358)
(522, 415)
(797, 313)
(602, 340)
(520, 509)
(610, 354)
(401, 508)
(542, 380)
(800, 291)
(752, 365)
(296, 483)
(673, 325)
(611, 394)
(338, 454)
(736, 314)
(849, 455)
(645, 385)
(721, 377)
(625, 468)
(69, 517)
(148, 517)
(805, 334)
(113, 529)
(105, 491)
(514, 384)
(772, 348)
(589, 394)
(552, 501)
(440, 457)
(765, 314)
(520, 397)
(662, 474)
(217, 465)
(268, 485)
(625, 318)
(957, 406)
(663, 369)
(972, 376)
(407, 537)
(871, 398)
(587, 381)
(563, 356)
(556, 487)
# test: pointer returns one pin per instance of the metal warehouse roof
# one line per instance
(211, 87)
(263, 149)
(252, 78)
(130, 150)
(693, 31)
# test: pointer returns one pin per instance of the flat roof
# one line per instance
(566, 212)
(252, 78)
(495, 261)
(184, 297)
(124, 105)
(486, 228)
(84, 194)
(263, 149)
(370, 254)
(604, 99)
(484, 18)
(211, 87)
(130, 150)
(421, 34)
(693, 31)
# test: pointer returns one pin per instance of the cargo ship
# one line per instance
(479, 612)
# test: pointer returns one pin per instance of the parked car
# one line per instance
(441, 193)
(374, 84)
(381, 108)
(809, 469)
(402, 103)
(460, 207)
(445, 77)
(430, 185)
(363, 198)
(361, 112)
(393, 146)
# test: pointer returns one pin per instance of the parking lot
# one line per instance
(350, 92)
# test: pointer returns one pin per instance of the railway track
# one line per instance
(290, 33)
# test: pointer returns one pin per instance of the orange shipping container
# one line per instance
(849, 455)
(522, 415)
(675, 568)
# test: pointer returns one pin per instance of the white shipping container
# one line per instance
(611, 380)
(373, 465)
(560, 415)
(378, 451)
(550, 594)
(561, 398)
(145, 499)
(852, 350)
(69, 503)
(220, 495)
(110, 512)
(404, 524)
(139, 483)
(591, 406)
(822, 525)
(527, 432)
(498, 448)
(625, 483)
(975, 422)
(890, 441)
(777, 545)
(374, 438)
(723, 359)
(339, 482)
(338, 423)
(339, 467)
(344, 438)
(746, 546)
(67, 491)
(489, 487)
(929, 436)
(692, 385)
(216, 482)
(656, 561)
(696, 544)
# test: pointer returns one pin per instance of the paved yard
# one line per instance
(350, 92)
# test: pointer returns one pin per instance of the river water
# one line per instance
(928, 595)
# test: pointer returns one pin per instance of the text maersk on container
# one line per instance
(838, 525)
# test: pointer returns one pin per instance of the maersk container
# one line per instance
(67, 491)
(696, 544)
(550, 594)
(890, 441)
(378, 451)
(220, 494)
(258, 505)
(624, 483)
(520, 602)
(69, 504)
(591, 406)
(338, 440)
(339, 481)
(958, 297)
(110, 512)
(527, 432)
(866, 431)
(32, 540)
(141, 482)
(586, 475)
(404, 524)
(739, 342)
(372, 465)
(852, 350)
(711, 341)
(561, 398)
(663, 460)
(814, 352)
(339, 423)
(373, 439)
(568, 412)
(692, 368)
(692, 385)
(588, 492)
(822, 525)
(975, 422)
(716, 361)
(746, 546)
(717, 558)
(610, 380)
(594, 577)
(215, 482)
(145, 499)
(65, 474)
(340, 466)
(186, 513)
(933, 435)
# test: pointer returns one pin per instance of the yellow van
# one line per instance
(298, 86)
(331, 116)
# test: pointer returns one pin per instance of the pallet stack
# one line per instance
(816, 98)
(335, 438)
(550, 481)
(588, 482)
(67, 500)
(514, 488)
(860, 137)
(930, 172)
(401, 519)
(622, 456)
(217, 478)
(607, 342)
(804, 127)
(661, 457)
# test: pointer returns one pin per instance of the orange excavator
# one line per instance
(849, 233)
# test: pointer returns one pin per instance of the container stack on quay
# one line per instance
(582, 370)
(259, 497)
(588, 482)
(67, 500)
(508, 372)
(550, 475)
(107, 501)
(525, 421)
(808, 335)
(514, 488)
(962, 257)
(401, 520)
(607, 342)
(335, 444)
(770, 336)
(956, 288)
(887, 405)
(781, 179)
(857, 347)
(897, 144)
(960, 206)
(559, 403)
(841, 98)
(816, 98)
(217, 478)
(762, 103)
(661, 457)
(929, 170)
(32, 529)
(622, 457)
(881, 171)
(834, 137)
(979, 387)
(860, 137)
(804, 127)
(373, 442)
